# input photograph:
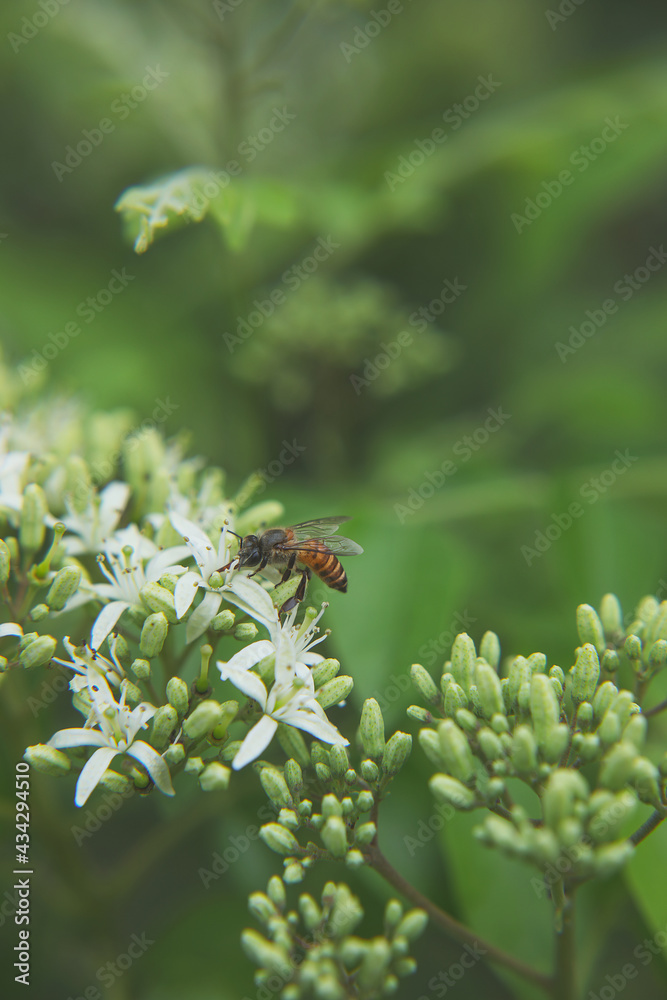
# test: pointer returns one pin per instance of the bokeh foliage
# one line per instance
(459, 553)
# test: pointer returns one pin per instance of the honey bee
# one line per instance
(301, 544)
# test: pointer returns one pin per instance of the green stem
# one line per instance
(649, 826)
(564, 983)
(449, 925)
(648, 712)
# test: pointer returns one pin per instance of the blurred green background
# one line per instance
(539, 196)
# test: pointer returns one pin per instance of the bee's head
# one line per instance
(249, 554)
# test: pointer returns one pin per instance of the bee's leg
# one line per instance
(292, 602)
(260, 567)
(290, 566)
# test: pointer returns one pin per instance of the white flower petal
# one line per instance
(199, 544)
(250, 655)
(255, 742)
(77, 738)
(10, 628)
(247, 682)
(113, 501)
(321, 729)
(184, 592)
(253, 599)
(165, 560)
(154, 764)
(203, 614)
(92, 772)
(105, 621)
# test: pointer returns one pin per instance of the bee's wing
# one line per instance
(337, 543)
(321, 527)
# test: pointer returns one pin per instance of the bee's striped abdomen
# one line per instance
(327, 566)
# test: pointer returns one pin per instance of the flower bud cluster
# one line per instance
(312, 951)
(542, 725)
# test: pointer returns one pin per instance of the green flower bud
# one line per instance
(589, 628)
(288, 818)
(114, 782)
(293, 744)
(617, 765)
(609, 729)
(464, 660)
(490, 692)
(215, 777)
(590, 747)
(279, 839)
(585, 674)
(174, 754)
(611, 615)
(223, 621)
(47, 759)
(261, 907)
(489, 648)
(370, 772)
(524, 750)
(163, 724)
(450, 791)
(331, 806)
(585, 715)
(468, 722)
(311, 913)
(570, 832)
(371, 728)
(305, 807)
(613, 857)
(276, 892)
(169, 581)
(545, 846)
(544, 707)
(5, 561)
(499, 724)
(275, 787)
(348, 806)
(32, 528)
(177, 694)
(153, 635)
(657, 656)
(267, 955)
(519, 674)
(647, 609)
(294, 872)
(489, 743)
(496, 831)
(159, 599)
(610, 661)
(194, 765)
(334, 836)
(393, 914)
(562, 790)
(228, 712)
(325, 671)
(537, 663)
(334, 691)
(38, 652)
(396, 752)
(604, 696)
(246, 631)
(364, 833)
(455, 698)
(624, 706)
(374, 966)
(657, 627)
(556, 674)
(352, 950)
(206, 716)
(635, 731)
(429, 741)
(424, 683)
(646, 780)
(65, 584)
(456, 751)
(555, 743)
(322, 773)
(413, 924)
(365, 801)
(419, 713)
(294, 778)
(133, 695)
(633, 647)
(338, 761)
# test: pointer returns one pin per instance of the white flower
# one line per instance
(83, 659)
(291, 701)
(11, 628)
(118, 727)
(126, 577)
(13, 465)
(96, 523)
(209, 559)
